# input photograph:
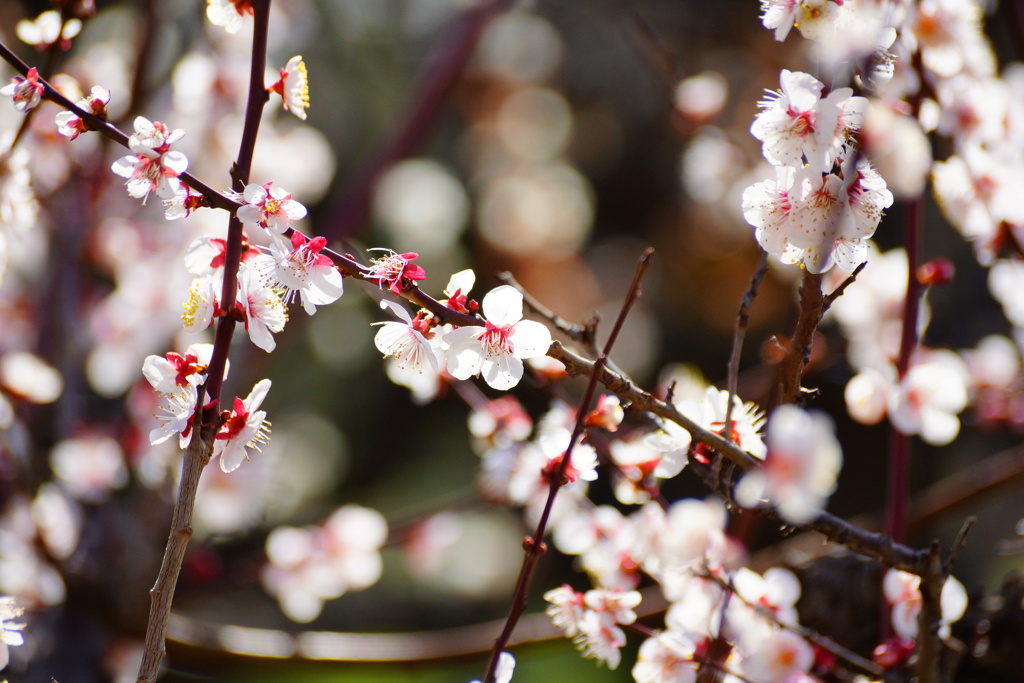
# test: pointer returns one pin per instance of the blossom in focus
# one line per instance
(797, 123)
(183, 203)
(311, 565)
(175, 416)
(709, 412)
(294, 87)
(497, 350)
(457, 292)
(404, 341)
(395, 270)
(230, 14)
(800, 469)
(10, 630)
(270, 207)
(169, 373)
(27, 93)
(202, 305)
(47, 29)
(903, 591)
(153, 167)
(245, 427)
(264, 311)
(71, 125)
(299, 269)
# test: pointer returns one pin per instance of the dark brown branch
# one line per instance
(799, 353)
(838, 291)
(742, 320)
(928, 642)
(584, 334)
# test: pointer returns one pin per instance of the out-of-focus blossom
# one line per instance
(867, 395)
(270, 207)
(607, 414)
(71, 125)
(667, 657)
(930, 396)
(777, 657)
(230, 14)
(506, 666)
(701, 97)
(800, 469)
(58, 520)
(299, 269)
(501, 421)
(47, 29)
(26, 93)
(746, 419)
(498, 349)
(153, 167)
(293, 87)
(311, 565)
(566, 609)
(600, 639)
(244, 428)
(903, 592)
(10, 630)
(947, 34)
(28, 377)
(89, 467)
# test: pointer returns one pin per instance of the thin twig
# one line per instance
(742, 320)
(838, 291)
(958, 544)
(534, 545)
(584, 334)
(928, 642)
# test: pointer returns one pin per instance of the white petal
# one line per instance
(503, 305)
(502, 371)
(530, 339)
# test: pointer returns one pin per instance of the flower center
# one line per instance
(496, 339)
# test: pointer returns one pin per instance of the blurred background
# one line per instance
(552, 139)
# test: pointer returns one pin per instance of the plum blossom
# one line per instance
(244, 427)
(169, 373)
(506, 666)
(264, 311)
(293, 87)
(667, 657)
(566, 609)
(90, 467)
(10, 630)
(70, 125)
(800, 469)
(599, 638)
(930, 396)
(311, 565)
(202, 305)
(405, 341)
(47, 29)
(152, 167)
(457, 292)
(797, 124)
(270, 207)
(26, 93)
(607, 414)
(175, 416)
(299, 269)
(497, 350)
(709, 412)
(395, 270)
(230, 14)
(903, 591)
(183, 203)
(777, 657)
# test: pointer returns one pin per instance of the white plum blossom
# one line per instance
(26, 93)
(167, 374)
(294, 87)
(262, 305)
(311, 565)
(270, 207)
(299, 269)
(667, 657)
(930, 396)
(71, 125)
(566, 609)
(10, 630)
(506, 667)
(497, 350)
(90, 467)
(246, 427)
(202, 303)
(175, 414)
(152, 167)
(404, 341)
(800, 469)
(903, 591)
(709, 412)
(230, 14)
(777, 657)
(797, 124)
(601, 639)
(47, 29)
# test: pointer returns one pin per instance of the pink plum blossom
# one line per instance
(26, 93)
(71, 125)
(261, 303)
(497, 350)
(300, 270)
(394, 270)
(152, 167)
(169, 373)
